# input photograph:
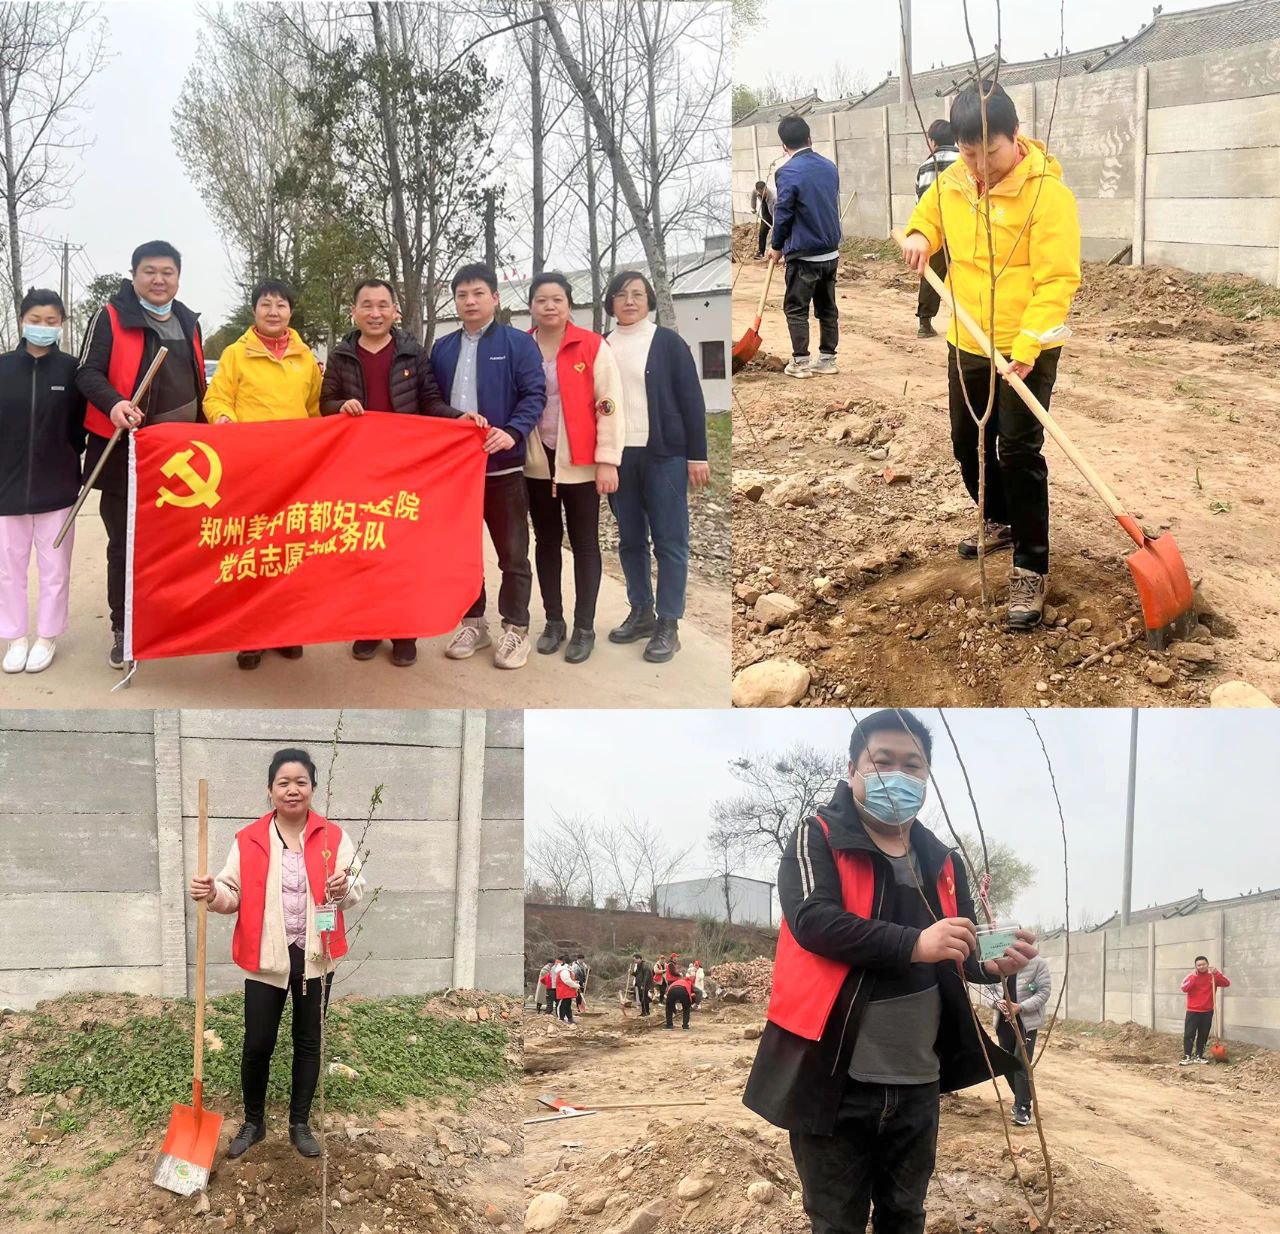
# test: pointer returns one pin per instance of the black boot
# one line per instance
(926, 329)
(303, 1140)
(365, 648)
(640, 623)
(665, 641)
(115, 657)
(248, 1135)
(552, 638)
(404, 652)
(580, 646)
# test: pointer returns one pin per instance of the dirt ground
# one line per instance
(428, 1167)
(1165, 387)
(1138, 1145)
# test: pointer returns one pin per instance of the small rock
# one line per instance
(546, 1211)
(748, 593)
(893, 476)
(1158, 674)
(775, 609)
(483, 1012)
(494, 1215)
(1192, 653)
(879, 454)
(771, 683)
(593, 1202)
(761, 1191)
(1238, 694)
(493, 1147)
(201, 1205)
(691, 1186)
(752, 1032)
(1042, 687)
(753, 492)
(792, 492)
(642, 1220)
(918, 633)
(1050, 615)
(15, 1084)
(625, 1173)
(1081, 625)
(152, 1226)
(472, 1016)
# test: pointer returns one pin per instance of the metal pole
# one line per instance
(904, 54)
(1126, 899)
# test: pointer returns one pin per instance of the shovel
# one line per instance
(186, 1155)
(745, 349)
(1160, 574)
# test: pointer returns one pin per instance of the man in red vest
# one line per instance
(119, 345)
(869, 1018)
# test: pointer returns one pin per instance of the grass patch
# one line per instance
(720, 450)
(880, 247)
(1237, 297)
(141, 1066)
(102, 1159)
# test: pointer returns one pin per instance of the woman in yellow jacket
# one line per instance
(1035, 233)
(268, 373)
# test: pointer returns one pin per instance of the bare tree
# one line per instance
(729, 853)
(618, 852)
(582, 834)
(556, 863)
(657, 861)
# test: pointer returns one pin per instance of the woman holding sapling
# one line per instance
(288, 880)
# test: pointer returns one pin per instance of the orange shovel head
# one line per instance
(1164, 587)
(186, 1156)
(744, 350)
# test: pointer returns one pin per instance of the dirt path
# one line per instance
(1181, 417)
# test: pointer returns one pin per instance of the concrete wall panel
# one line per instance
(1228, 125)
(81, 929)
(79, 852)
(1258, 263)
(1214, 173)
(35, 767)
(1242, 72)
(1215, 220)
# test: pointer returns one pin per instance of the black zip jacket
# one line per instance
(414, 390)
(41, 431)
(796, 1083)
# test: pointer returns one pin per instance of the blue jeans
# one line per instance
(652, 501)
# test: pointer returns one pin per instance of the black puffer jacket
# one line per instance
(41, 431)
(414, 390)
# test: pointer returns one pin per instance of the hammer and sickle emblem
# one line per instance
(203, 492)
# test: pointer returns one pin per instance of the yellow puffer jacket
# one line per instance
(1034, 288)
(251, 385)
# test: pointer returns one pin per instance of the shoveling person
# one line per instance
(762, 199)
(286, 878)
(869, 1018)
(942, 153)
(1024, 1001)
(1200, 987)
(1036, 239)
(679, 995)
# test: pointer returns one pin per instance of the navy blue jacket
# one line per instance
(677, 410)
(510, 383)
(806, 219)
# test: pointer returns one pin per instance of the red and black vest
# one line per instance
(562, 989)
(254, 843)
(576, 373)
(805, 985)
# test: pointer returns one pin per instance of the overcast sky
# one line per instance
(1204, 816)
(807, 37)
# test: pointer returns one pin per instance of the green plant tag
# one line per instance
(992, 943)
(326, 918)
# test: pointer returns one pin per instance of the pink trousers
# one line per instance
(18, 533)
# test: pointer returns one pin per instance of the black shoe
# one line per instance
(1022, 1118)
(580, 646)
(115, 657)
(926, 329)
(248, 1135)
(404, 652)
(248, 659)
(303, 1140)
(640, 623)
(290, 653)
(365, 648)
(552, 638)
(665, 641)
(998, 536)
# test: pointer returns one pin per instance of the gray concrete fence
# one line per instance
(1180, 158)
(98, 840)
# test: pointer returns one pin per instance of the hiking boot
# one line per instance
(15, 659)
(290, 653)
(301, 1137)
(41, 655)
(513, 647)
(472, 635)
(1026, 598)
(115, 657)
(248, 1135)
(404, 652)
(798, 366)
(1021, 1118)
(665, 641)
(999, 535)
(824, 365)
(926, 329)
(248, 659)
(640, 623)
(552, 638)
(580, 646)
(365, 648)
(1186, 1061)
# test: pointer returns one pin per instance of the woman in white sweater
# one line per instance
(288, 880)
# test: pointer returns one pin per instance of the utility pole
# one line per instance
(904, 54)
(1126, 898)
(66, 297)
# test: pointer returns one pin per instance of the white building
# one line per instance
(744, 901)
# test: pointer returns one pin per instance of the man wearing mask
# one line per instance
(119, 345)
(869, 1017)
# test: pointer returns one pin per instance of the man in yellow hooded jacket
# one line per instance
(1035, 233)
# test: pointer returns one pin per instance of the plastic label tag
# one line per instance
(992, 943)
(326, 918)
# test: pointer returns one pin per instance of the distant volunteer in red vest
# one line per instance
(119, 345)
(281, 870)
(566, 988)
(869, 1018)
(571, 461)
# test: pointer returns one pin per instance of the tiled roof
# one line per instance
(1216, 27)
(771, 113)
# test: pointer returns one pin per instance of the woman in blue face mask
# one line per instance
(41, 441)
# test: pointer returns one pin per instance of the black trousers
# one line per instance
(565, 1009)
(506, 515)
(1195, 1032)
(1019, 1082)
(263, 1007)
(811, 282)
(577, 507)
(766, 225)
(1017, 473)
(678, 996)
(927, 305)
(644, 993)
(880, 1157)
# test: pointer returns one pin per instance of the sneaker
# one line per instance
(998, 536)
(304, 1140)
(248, 1135)
(365, 648)
(640, 623)
(824, 365)
(1026, 598)
(404, 652)
(926, 329)
(553, 637)
(1200, 1058)
(248, 660)
(15, 659)
(798, 366)
(665, 641)
(115, 657)
(472, 635)
(1021, 1118)
(1186, 1061)
(513, 647)
(580, 646)
(40, 656)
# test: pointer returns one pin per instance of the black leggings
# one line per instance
(577, 507)
(263, 1007)
(677, 996)
(565, 1009)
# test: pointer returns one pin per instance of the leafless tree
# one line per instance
(729, 854)
(617, 850)
(657, 861)
(583, 835)
(556, 863)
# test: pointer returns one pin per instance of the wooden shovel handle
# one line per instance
(202, 916)
(764, 295)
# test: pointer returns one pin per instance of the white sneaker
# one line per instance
(471, 636)
(513, 647)
(41, 655)
(824, 365)
(1186, 1061)
(798, 367)
(15, 659)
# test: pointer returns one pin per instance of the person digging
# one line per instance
(1199, 986)
(1036, 238)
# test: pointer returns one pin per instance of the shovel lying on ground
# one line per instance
(186, 1155)
(745, 349)
(1160, 574)
(559, 1103)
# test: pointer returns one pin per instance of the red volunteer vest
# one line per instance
(562, 990)
(576, 372)
(125, 368)
(254, 843)
(805, 985)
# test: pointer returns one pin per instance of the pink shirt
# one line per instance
(293, 893)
